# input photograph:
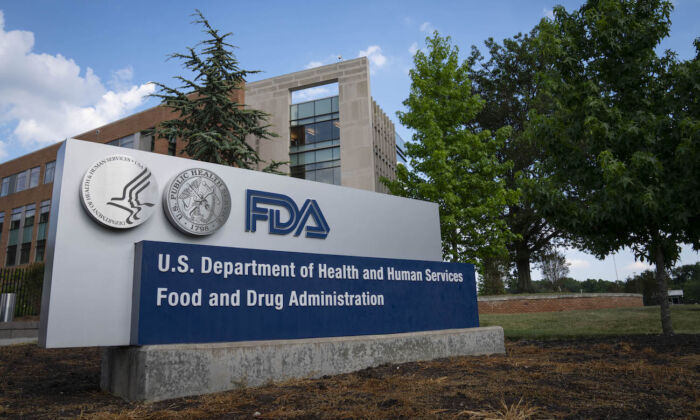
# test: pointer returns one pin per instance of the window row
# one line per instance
(313, 108)
(21, 231)
(314, 132)
(127, 142)
(314, 146)
(322, 155)
(26, 179)
(400, 149)
(327, 175)
(310, 120)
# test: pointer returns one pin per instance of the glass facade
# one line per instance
(314, 150)
(400, 150)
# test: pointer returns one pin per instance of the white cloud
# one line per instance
(413, 49)
(576, 263)
(330, 59)
(548, 13)
(49, 98)
(427, 27)
(317, 92)
(313, 64)
(377, 60)
(638, 267)
(121, 79)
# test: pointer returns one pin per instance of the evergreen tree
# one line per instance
(210, 120)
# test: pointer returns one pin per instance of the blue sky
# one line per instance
(69, 66)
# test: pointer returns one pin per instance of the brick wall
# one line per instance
(556, 303)
(132, 124)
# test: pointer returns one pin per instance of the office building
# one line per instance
(345, 139)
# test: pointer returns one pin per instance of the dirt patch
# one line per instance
(623, 377)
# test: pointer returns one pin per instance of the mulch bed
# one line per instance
(621, 377)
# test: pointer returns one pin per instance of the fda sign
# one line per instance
(266, 206)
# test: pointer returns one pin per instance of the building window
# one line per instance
(34, 177)
(172, 145)
(27, 231)
(314, 151)
(5, 190)
(49, 172)
(127, 142)
(21, 182)
(2, 221)
(13, 240)
(42, 230)
(400, 150)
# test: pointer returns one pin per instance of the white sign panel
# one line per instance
(103, 203)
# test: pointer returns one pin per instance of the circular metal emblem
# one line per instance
(197, 202)
(119, 192)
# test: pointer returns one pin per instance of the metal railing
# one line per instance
(26, 283)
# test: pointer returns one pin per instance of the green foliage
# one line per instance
(507, 82)
(492, 276)
(452, 163)
(687, 278)
(645, 283)
(212, 123)
(554, 267)
(691, 292)
(623, 140)
(592, 323)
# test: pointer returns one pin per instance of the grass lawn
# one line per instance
(591, 323)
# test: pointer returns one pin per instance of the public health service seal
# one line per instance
(197, 202)
(119, 192)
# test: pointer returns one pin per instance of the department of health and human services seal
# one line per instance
(197, 202)
(119, 192)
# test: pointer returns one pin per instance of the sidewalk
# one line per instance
(19, 340)
(18, 332)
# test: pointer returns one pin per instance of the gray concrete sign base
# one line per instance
(153, 373)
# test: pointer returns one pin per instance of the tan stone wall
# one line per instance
(558, 303)
(384, 141)
(354, 104)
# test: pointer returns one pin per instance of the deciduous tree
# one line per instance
(508, 84)
(554, 267)
(452, 163)
(623, 142)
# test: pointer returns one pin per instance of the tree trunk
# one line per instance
(522, 264)
(662, 284)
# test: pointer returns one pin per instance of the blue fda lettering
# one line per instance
(262, 206)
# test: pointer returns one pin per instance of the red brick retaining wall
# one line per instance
(514, 304)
